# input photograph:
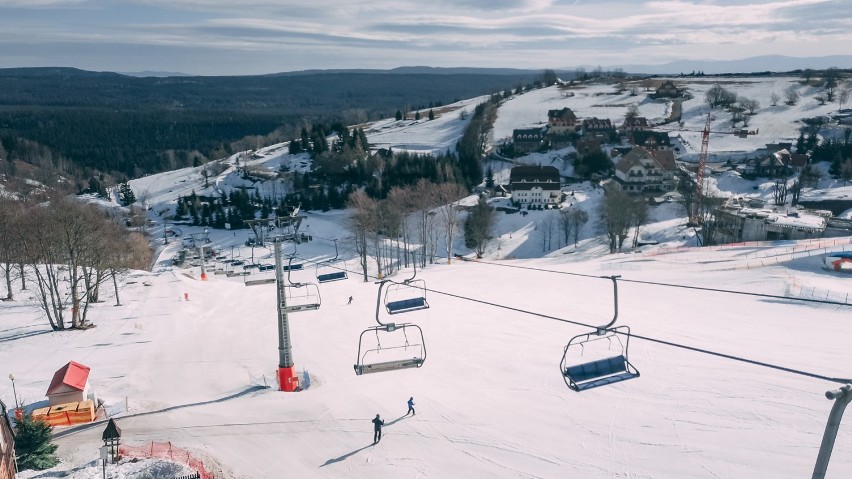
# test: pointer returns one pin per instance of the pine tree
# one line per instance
(489, 177)
(431, 115)
(417, 115)
(398, 115)
(126, 195)
(33, 444)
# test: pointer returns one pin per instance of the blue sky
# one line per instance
(218, 37)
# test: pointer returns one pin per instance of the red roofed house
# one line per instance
(69, 384)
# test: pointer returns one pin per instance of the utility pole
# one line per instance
(841, 398)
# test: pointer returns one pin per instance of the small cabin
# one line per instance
(69, 384)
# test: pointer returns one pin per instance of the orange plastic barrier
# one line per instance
(67, 414)
(165, 450)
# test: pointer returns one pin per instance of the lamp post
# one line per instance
(14, 392)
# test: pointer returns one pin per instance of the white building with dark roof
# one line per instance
(539, 185)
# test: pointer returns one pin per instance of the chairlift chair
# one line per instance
(604, 359)
(378, 358)
(599, 357)
(403, 353)
(410, 295)
(299, 296)
(326, 273)
(259, 277)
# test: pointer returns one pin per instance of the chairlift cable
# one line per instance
(647, 338)
(670, 285)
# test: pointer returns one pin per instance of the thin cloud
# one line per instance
(445, 32)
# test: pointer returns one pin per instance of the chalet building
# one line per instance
(642, 171)
(770, 166)
(539, 185)
(7, 446)
(668, 90)
(560, 122)
(650, 140)
(637, 123)
(599, 127)
(795, 162)
(527, 140)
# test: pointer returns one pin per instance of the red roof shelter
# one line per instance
(69, 384)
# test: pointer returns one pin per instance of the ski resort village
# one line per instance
(589, 278)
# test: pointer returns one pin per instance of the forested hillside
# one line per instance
(131, 126)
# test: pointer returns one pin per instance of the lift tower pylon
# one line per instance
(287, 379)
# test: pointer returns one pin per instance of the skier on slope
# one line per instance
(377, 429)
(411, 406)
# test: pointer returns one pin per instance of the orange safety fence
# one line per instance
(67, 414)
(165, 450)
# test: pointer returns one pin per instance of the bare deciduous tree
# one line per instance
(830, 80)
(640, 217)
(424, 196)
(791, 95)
(479, 226)
(774, 98)
(780, 191)
(361, 222)
(578, 218)
(544, 230)
(11, 217)
(448, 196)
(617, 215)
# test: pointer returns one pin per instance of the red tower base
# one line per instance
(287, 379)
(203, 276)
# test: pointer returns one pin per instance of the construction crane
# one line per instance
(695, 214)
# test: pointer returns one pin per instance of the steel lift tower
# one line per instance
(288, 381)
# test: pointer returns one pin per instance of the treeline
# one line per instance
(67, 250)
(134, 126)
(230, 210)
(130, 143)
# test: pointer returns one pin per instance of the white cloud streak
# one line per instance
(528, 33)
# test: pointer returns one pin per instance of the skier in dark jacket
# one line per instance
(411, 407)
(377, 429)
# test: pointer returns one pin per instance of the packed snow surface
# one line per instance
(194, 362)
(490, 398)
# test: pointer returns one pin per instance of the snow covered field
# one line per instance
(490, 398)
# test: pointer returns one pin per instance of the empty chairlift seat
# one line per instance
(405, 297)
(392, 349)
(331, 276)
(599, 373)
(603, 359)
(388, 366)
(301, 297)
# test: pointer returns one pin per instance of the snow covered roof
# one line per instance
(73, 375)
(663, 159)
